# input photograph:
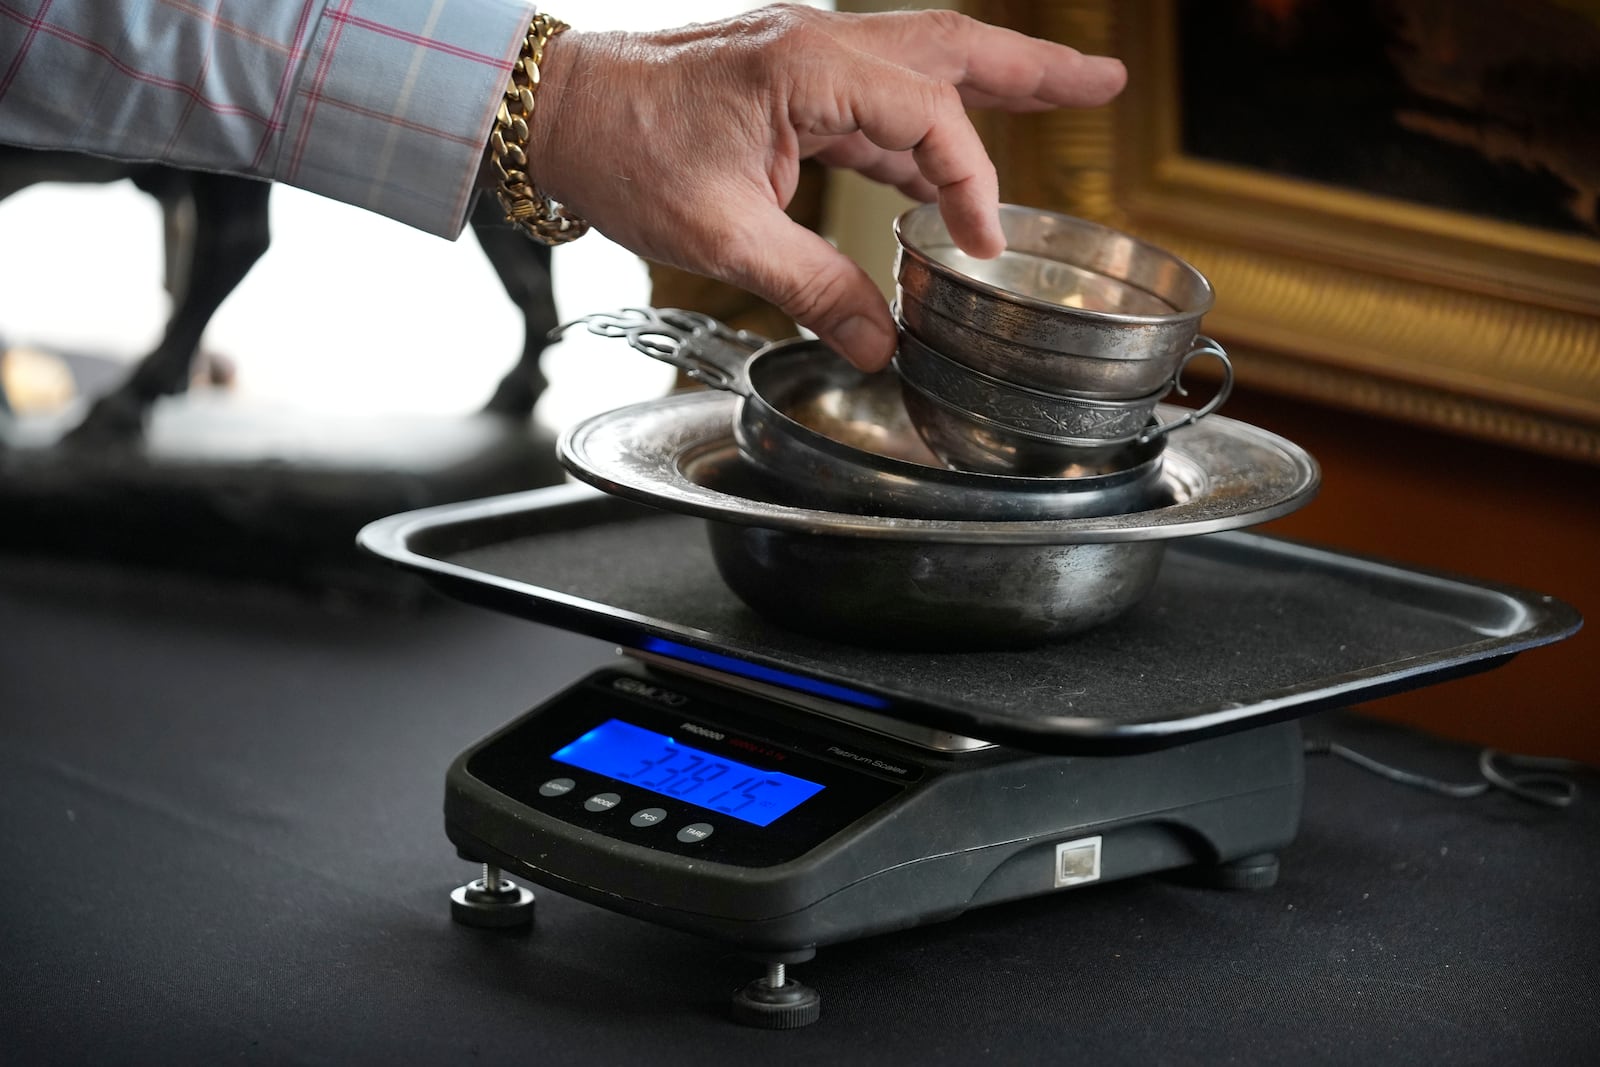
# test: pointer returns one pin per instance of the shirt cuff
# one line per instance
(394, 103)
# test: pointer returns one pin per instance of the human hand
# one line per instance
(685, 145)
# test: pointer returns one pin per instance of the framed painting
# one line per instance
(1397, 201)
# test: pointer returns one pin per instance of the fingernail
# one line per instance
(864, 343)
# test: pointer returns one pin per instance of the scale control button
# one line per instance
(556, 787)
(648, 816)
(602, 802)
(695, 832)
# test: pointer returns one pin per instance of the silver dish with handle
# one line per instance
(823, 434)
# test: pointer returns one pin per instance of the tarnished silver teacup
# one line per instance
(976, 422)
(1071, 307)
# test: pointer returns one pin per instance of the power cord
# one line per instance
(1536, 779)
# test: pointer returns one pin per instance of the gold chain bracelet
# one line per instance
(525, 206)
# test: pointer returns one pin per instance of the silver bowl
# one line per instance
(888, 580)
(1059, 309)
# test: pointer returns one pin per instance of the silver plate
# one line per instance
(1220, 474)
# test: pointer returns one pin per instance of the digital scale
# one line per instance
(778, 793)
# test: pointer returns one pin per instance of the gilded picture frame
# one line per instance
(1361, 301)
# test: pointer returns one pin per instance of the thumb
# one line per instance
(818, 286)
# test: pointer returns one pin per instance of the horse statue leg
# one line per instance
(230, 234)
(524, 269)
(22, 167)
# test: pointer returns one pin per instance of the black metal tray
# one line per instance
(1241, 629)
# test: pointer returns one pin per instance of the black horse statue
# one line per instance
(215, 231)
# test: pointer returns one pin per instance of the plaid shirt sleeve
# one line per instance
(385, 104)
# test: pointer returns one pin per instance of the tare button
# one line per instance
(695, 832)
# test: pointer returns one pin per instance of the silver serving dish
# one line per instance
(952, 583)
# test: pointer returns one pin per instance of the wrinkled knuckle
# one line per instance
(946, 24)
(792, 14)
(767, 42)
(782, 23)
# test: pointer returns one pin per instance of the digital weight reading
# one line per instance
(662, 765)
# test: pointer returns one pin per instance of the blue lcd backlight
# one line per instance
(661, 765)
(744, 668)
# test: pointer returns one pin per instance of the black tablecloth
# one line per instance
(220, 839)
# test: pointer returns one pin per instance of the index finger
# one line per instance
(901, 110)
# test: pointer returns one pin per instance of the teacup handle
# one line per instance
(704, 348)
(1204, 346)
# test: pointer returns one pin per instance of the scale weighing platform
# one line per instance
(778, 792)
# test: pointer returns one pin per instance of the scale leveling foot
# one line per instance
(776, 1002)
(1259, 871)
(492, 902)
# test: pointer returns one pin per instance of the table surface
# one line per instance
(221, 837)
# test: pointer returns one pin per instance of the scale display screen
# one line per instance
(662, 765)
